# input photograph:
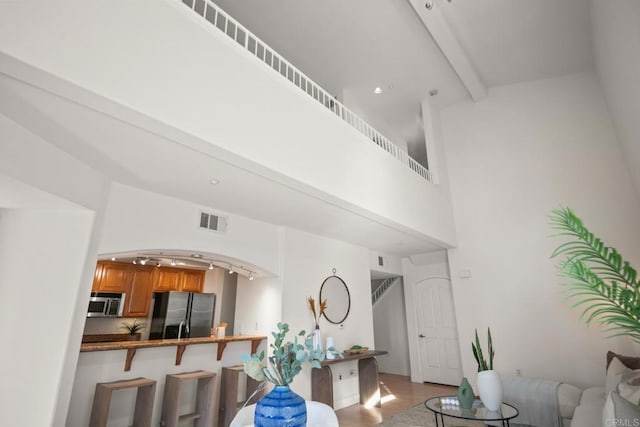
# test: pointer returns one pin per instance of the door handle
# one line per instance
(421, 336)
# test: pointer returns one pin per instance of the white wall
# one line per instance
(213, 283)
(307, 261)
(138, 220)
(258, 305)
(392, 265)
(525, 150)
(41, 266)
(33, 162)
(615, 36)
(390, 331)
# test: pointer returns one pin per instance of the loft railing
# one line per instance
(245, 38)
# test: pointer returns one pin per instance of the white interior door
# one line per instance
(437, 334)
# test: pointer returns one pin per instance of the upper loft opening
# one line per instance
(226, 24)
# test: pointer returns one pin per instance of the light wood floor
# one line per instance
(400, 394)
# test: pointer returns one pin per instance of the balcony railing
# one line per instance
(245, 38)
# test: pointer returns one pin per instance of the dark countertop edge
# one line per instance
(125, 345)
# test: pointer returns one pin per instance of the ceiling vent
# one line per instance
(213, 222)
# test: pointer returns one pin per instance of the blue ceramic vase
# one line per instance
(281, 407)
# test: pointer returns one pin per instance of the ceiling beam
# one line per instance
(450, 47)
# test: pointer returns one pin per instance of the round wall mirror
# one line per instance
(335, 291)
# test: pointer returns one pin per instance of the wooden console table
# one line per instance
(322, 378)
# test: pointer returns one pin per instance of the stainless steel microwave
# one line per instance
(105, 305)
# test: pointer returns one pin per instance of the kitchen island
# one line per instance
(180, 344)
(153, 359)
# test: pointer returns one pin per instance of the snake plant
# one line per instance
(477, 353)
(603, 285)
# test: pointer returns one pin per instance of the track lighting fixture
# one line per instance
(194, 260)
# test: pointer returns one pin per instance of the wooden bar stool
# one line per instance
(203, 415)
(143, 405)
(230, 382)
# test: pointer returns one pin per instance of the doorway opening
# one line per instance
(390, 323)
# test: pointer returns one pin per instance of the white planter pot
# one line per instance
(490, 389)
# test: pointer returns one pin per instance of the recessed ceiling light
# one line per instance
(377, 90)
(197, 256)
(214, 182)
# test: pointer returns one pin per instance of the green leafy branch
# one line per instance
(286, 360)
(604, 285)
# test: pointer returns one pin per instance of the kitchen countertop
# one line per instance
(126, 345)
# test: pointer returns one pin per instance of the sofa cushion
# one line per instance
(618, 411)
(587, 416)
(568, 399)
(608, 411)
(593, 396)
(628, 361)
(629, 386)
(615, 369)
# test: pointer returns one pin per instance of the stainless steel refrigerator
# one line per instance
(182, 315)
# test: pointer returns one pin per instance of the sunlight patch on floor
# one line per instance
(388, 398)
(373, 400)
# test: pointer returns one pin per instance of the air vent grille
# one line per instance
(213, 222)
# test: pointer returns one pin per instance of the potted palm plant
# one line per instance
(133, 329)
(489, 384)
(604, 286)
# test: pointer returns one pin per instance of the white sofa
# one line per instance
(588, 411)
(614, 404)
(589, 404)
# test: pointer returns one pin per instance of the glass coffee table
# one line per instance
(478, 412)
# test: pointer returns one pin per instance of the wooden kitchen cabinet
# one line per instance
(112, 277)
(139, 282)
(192, 281)
(96, 278)
(178, 279)
(167, 279)
(138, 300)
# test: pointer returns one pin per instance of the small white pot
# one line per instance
(490, 389)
